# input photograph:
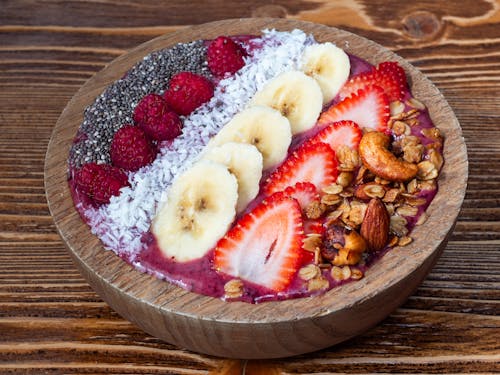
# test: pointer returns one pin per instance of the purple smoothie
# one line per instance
(199, 275)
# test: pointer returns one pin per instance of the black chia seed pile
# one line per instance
(115, 106)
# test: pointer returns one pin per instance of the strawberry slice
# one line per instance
(341, 133)
(313, 226)
(315, 163)
(303, 192)
(369, 108)
(394, 70)
(264, 247)
(389, 76)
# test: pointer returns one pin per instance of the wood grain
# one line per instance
(273, 329)
(43, 62)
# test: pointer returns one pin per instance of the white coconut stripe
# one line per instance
(121, 223)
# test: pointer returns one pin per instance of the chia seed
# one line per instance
(114, 108)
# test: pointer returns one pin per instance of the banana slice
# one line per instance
(294, 94)
(263, 127)
(328, 65)
(199, 209)
(245, 162)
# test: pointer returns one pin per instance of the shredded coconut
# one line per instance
(122, 223)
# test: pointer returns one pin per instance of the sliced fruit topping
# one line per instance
(342, 133)
(200, 208)
(131, 149)
(187, 91)
(263, 127)
(315, 163)
(100, 181)
(313, 226)
(394, 70)
(225, 56)
(264, 247)
(389, 76)
(369, 108)
(328, 65)
(245, 162)
(296, 96)
(157, 120)
(304, 192)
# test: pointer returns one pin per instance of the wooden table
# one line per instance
(50, 319)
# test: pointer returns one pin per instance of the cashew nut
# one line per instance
(374, 153)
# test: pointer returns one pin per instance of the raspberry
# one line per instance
(157, 120)
(225, 56)
(100, 181)
(131, 149)
(187, 91)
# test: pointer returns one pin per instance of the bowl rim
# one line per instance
(93, 259)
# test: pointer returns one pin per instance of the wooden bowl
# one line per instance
(272, 329)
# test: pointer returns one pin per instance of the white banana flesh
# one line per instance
(296, 96)
(328, 65)
(245, 162)
(262, 127)
(199, 210)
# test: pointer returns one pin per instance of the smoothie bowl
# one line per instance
(236, 238)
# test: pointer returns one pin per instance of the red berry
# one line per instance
(315, 163)
(100, 181)
(304, 192)
(157, 120)
(187, 91)
(265, 246)
(388, 75)
(342, 133)
(225, 56)
(368, 108)
(131, 149)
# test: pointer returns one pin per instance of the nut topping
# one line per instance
(375, 227)
(374, 153)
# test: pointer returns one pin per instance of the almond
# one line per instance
(375, 226)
